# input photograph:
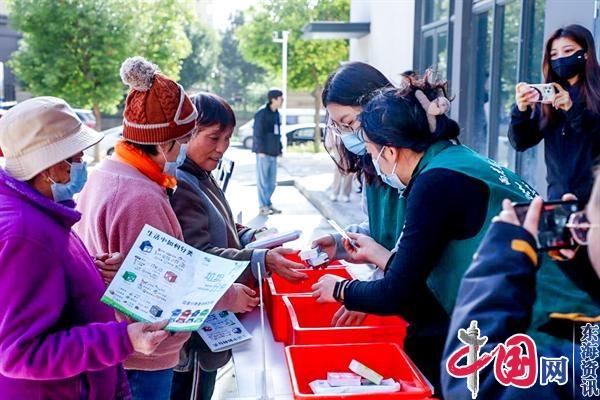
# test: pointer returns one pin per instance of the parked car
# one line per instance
(302, 133)
(86, 116)
(294, 116)
(107, 145)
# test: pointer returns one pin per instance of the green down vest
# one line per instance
(445, 277)
(383, 202)
(555, 291)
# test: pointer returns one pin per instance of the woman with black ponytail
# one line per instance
(570, 125)
(449, 194)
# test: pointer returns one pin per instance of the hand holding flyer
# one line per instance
(163, 277)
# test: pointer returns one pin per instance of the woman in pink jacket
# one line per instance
(132, 188)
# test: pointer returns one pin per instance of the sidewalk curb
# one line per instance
(314, 201)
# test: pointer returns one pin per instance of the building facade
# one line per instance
(483, 47)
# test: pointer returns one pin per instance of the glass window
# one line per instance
(528, 166)
(434, 36)
(435, 10)
(442, 53)
(435, 51)
(304, 133)
(537, 43)
(428, 52)
(509, 43)
(479, 110)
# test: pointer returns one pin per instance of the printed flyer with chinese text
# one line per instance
(164, 278)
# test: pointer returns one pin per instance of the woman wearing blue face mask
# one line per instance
(449, 194)
(570, 124)
(78, 176)
(345, 93)
(57, 340)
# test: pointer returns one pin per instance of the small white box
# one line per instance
(343, 379)
(365, 372)
(322, 258)
(308, 254)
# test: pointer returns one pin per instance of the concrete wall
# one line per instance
(566, 12)
(389, 46)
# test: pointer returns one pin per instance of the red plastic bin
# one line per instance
(310, 323)
(278, 287)
(308, 363)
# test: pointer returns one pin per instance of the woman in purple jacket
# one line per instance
(57, 341)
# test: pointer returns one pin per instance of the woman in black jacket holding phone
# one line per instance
(570, 125)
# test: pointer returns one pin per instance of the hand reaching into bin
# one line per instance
(344, 317)
(323, 290)
(278, 264)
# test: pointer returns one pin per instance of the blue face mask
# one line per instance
(390, 179)
(170, 167)
(354, 143)
(66, 191)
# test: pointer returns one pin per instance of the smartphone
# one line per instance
(342, 232)
(552, 231)
(545, 91)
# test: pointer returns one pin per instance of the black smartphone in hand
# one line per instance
(553, 233)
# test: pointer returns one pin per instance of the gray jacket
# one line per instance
(208, 225)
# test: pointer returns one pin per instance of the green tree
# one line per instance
(72, 49)
(309, 61)
(198, 68)
(159, 33)
(236, 76)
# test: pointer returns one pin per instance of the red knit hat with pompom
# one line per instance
(157, 109)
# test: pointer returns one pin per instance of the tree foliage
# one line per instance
(198, 68)
(74, 48)
(309, 61)
(235, 76)
(159, 33)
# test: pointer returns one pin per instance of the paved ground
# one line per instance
(311, 174)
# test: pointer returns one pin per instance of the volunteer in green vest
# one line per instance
(345, 93)
(448, 195)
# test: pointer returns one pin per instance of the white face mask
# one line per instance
(390, 179)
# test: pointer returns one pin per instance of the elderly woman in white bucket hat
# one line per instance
(56, 339)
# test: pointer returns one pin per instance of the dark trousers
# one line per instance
(193, 385)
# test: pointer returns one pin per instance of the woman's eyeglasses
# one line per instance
(343, 129)
(579, 226)
(338, 129)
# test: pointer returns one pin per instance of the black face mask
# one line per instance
(568, 67)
